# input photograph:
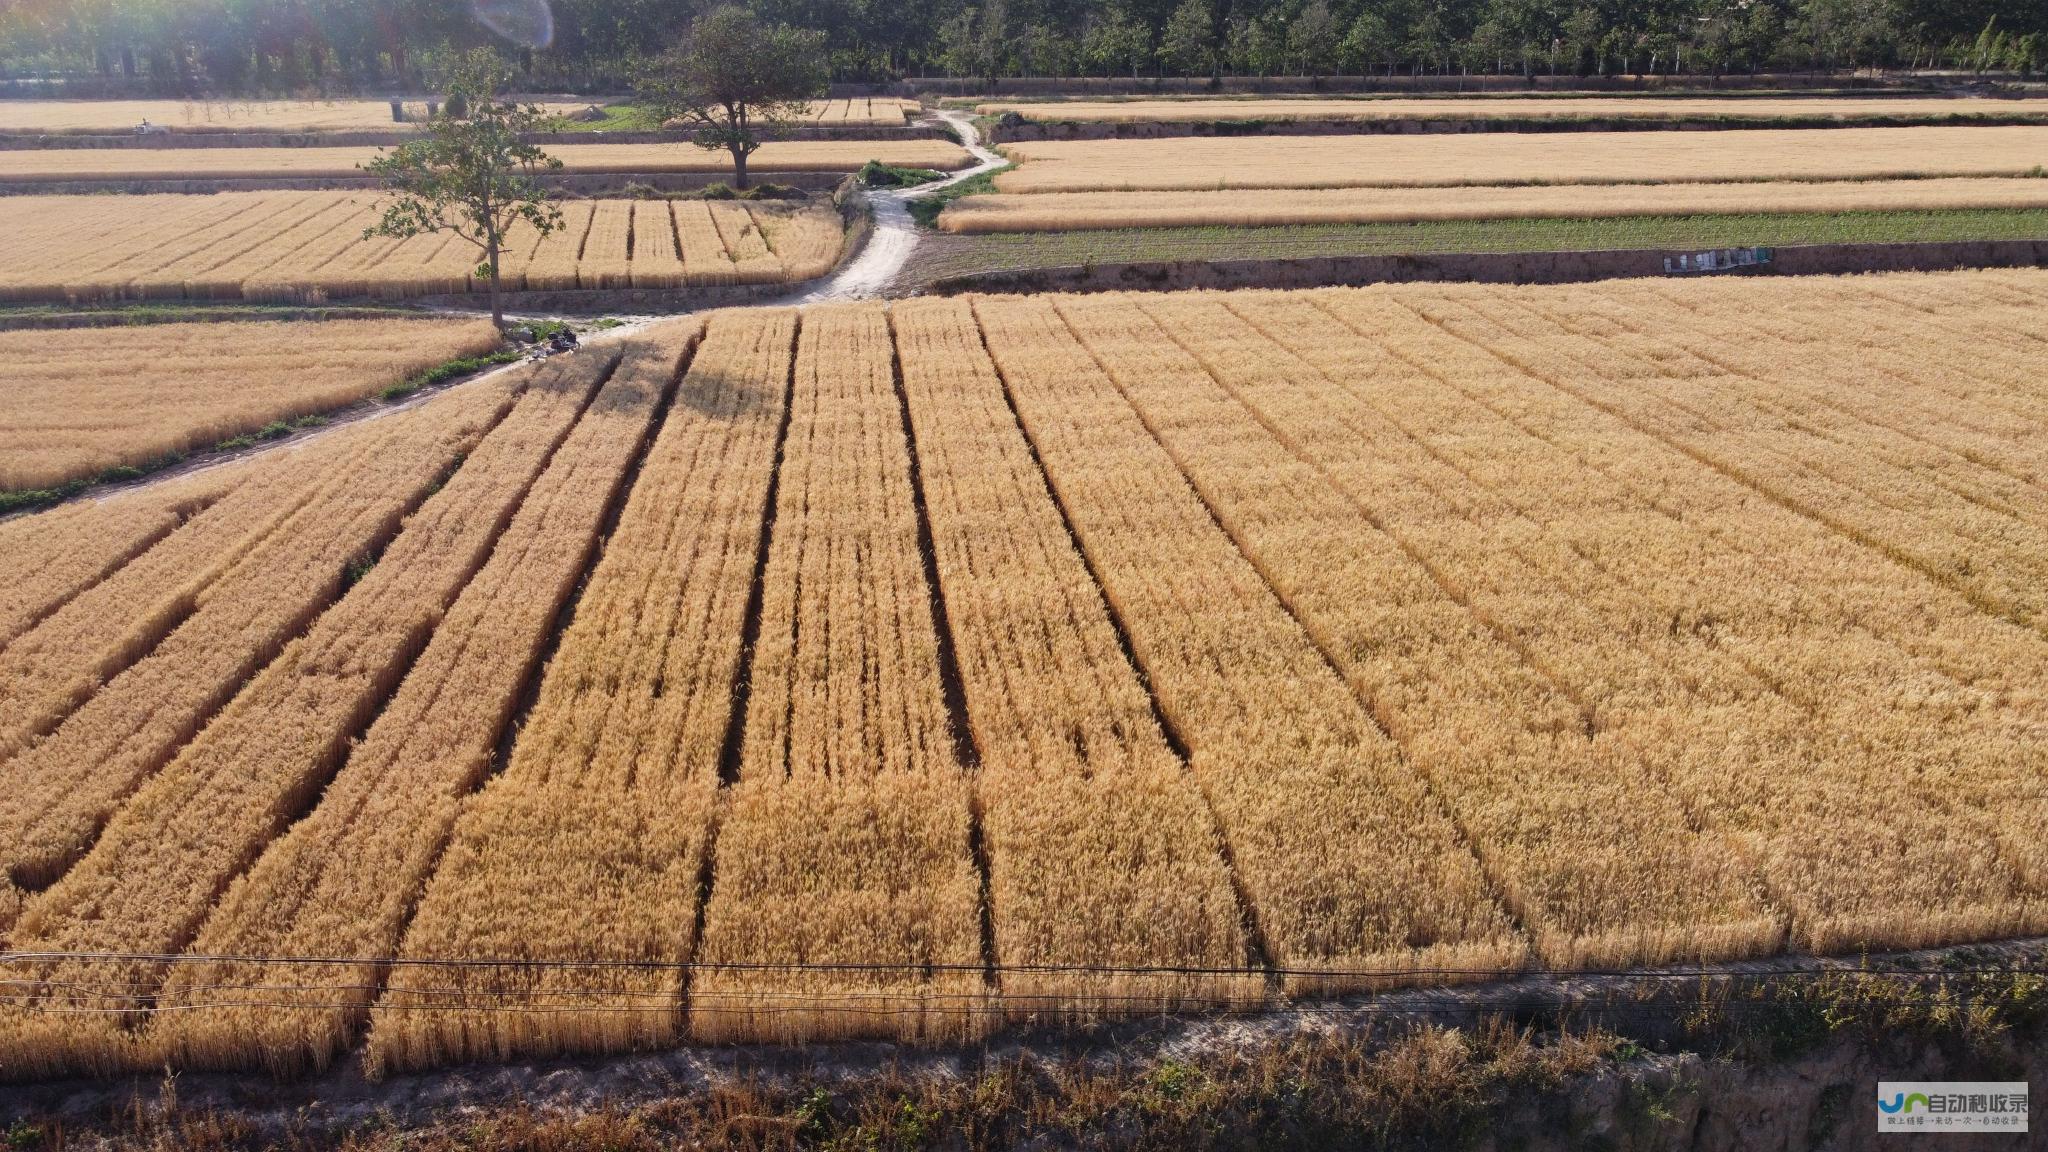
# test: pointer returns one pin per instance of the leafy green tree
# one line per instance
(1312, 38)
(980, 41)
(1116, 40)
(1367, 44)
(737, 81)
(1187, 43)
(475, 177)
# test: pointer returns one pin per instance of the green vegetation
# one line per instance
(875, 174)
(925, 209)
(615, 118)
(949, 255)
(444, 372)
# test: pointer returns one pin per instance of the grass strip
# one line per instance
(953, 255)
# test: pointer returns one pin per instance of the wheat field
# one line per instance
(122, 116)
(909, 671)
(308, 247)
(48, 165)
(1393, 161)
(1200, 109)
(74, 404)
(1067, 211)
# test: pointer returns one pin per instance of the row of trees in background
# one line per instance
(279, 46)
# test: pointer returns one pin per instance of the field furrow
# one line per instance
(1596, 861)
(1291, 765)
(341, 883)
(48, 561)
(847, 836)
(72, 782)
(1804, 795)
(588, 849)
(1101, 850)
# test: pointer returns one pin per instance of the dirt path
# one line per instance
(872, 273)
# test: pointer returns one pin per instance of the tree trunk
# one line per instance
(497, 303)
(739, 168)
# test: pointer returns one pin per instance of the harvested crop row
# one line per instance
(187, 832)
(46, 562)
(1068, 211)
(308, 246)
(1557, 158)
(62, 791)
(1100, 849)
(342, 881)
(128, 164)
(1594, 860)
(1306, 790)
(70, 416)
(1508, 108)
(588, 847)
(847, 836)
(1802, 796)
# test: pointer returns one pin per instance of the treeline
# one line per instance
(296, 46)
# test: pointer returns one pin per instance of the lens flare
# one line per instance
(527, 23)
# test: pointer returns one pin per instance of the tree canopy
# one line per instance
(475, 176)
(737, 81)
(281, 46)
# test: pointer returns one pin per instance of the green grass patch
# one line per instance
(616, 118)
(453, 368)
(925, 209)
(875, 174)
(955, 255)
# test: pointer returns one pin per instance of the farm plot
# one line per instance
(1069, 211)
(297, 247)
(108, 116)
(80, 402)
(1197, 110)
(107, 164)
(930, 666)
(863, 111)
(1576, 158)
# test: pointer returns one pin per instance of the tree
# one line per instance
(1312, 36)
(1366, 44)
(475, 177)
(737, 81)
(1186, 45)
(1115, 40)
(979, 41)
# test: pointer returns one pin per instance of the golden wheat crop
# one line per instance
(588, 847)
(309, 247)
(123, 116)
(46, 165)
(1508, 108)
(1064, 211)
(340, 883)
(1101, 849)
(1395, 161)
(1290, 763)
(78, 402)
(47, 561)
(862, 111)
(847, 836)
(962, 661)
